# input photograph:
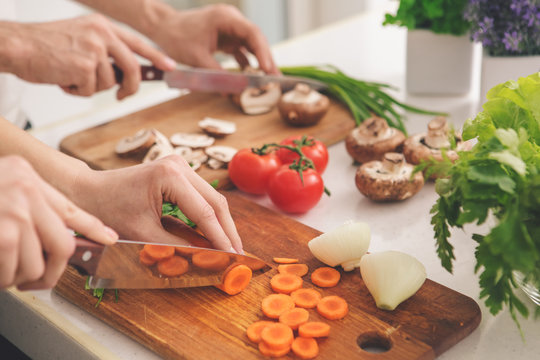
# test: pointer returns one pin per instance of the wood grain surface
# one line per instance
(205, 323)
(96, 145)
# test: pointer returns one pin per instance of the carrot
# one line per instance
(267, 351)
(253, 262)
(186, 251)
(295, 269)
(276, 304)
(306, 298)
(294, 318)
(325, 277)
(283, 260)
(159, 252)
(305, 348)
(253, 331)
(277, 336)
(314, 329)
(210, 260)
(145, 259)
(285, 283)
(235, 279)
(333, 307)
(173, 266)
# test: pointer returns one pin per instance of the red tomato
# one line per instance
(250, 172)
(316, 152)
(289, 194)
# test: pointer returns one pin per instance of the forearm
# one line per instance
(12, 45)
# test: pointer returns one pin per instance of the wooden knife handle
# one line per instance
(86, 257)
(148, 73)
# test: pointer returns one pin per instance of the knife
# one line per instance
(118, 266)
(222, 81)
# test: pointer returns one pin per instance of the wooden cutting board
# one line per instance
(205, 323)
(96, 145)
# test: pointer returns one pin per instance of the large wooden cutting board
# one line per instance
(96, 145)
(204, 323)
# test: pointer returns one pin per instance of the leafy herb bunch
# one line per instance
(499, 179)
(505, 27)
(439, 16)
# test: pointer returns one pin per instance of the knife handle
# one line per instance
(148, 73)
(86, 256)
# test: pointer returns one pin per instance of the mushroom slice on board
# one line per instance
(221, 153)
(217, 127)
(255, 101)
(372, 139)
(136, 144)
(156, 152)
(303, 106)
(194, 141)
(215, 164)
(162, 140)
(183, 151)
(389, 179)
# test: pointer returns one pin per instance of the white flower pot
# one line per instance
(499, 69)
(438, 64)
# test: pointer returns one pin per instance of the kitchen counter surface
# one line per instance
(45, 325)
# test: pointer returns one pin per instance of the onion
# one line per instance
(391, 277)
(343, 246)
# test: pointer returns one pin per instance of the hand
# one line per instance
(36, 241)
(130, 201)
(75, 54)
(193, 36)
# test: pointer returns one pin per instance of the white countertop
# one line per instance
(46, 326)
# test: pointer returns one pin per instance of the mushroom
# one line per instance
(195, 158)
(255, 101)
(136, 144)
(163, 141)
(221, 153)
(303, 106)
(191, 140)
(156, 152)
(216, 127)
(215, 164)
(183, 151)
(372, 139)
(389, 179)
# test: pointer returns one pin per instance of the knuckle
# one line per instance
(222, 203)
(207, 213)
(225, 9)
(35, 272)
(9, 239)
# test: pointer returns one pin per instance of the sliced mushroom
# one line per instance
(197, 155)
(162, 140)
(156, 152)
(255, 101)
(217, 127)
(215, 164)
(303, 106)
(221, 153)
(372, 139)
(183, 151)
(136, 144)
(389, 179)
(191, 140)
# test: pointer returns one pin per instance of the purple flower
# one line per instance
(511, 41)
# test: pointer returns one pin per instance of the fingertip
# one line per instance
(169, 64)
(112, 236)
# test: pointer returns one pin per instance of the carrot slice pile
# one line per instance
(277, 336)
(253, 331)
(305, 348)
(235, 279)
(145, 259)
(295, 269)
(333, 307)
(158, 252)
(268, 351)
(283, 260)
(210, 260)
(325, 277)
(173, 266)
(314, 329)
(306, 298)
(276, 304)
(285, 283)
(186, 251)
(294, 318)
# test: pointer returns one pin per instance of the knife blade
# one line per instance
(118, 266)
(222, 81)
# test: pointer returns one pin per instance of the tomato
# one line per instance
(250, 171)
(317, 152)
(289, 194)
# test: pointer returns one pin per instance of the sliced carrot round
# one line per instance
(276, 304)
(159, 252)
(294, 318)
(253, 331)
(145, 259)
(325, 277)
(306, 298)
(210, 260)
(186, 251)
(285, 283)
(235, 279)
(267, 351)
(333, 307)
(283, 260)
(173, 266)
(305, 348)
(295, 269)
(277, 336)
(314, 329)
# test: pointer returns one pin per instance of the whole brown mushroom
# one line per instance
(389, 179)
(137, 144)
(303, 106)
(372, 139)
